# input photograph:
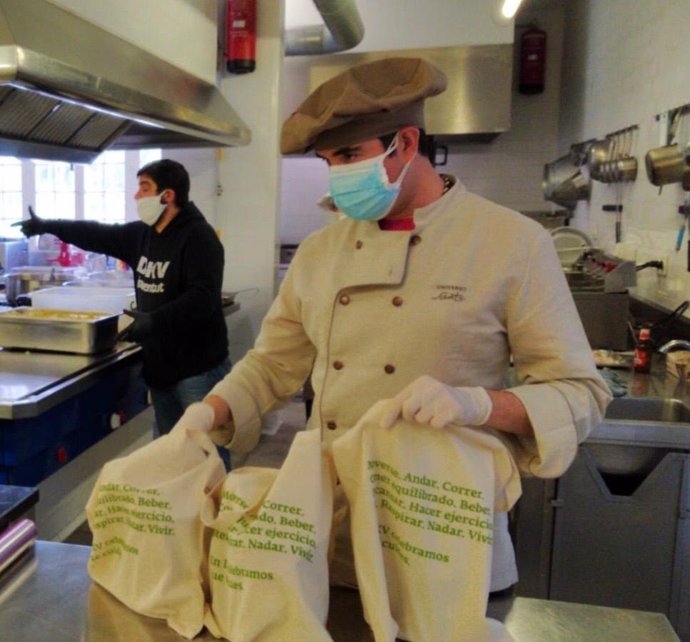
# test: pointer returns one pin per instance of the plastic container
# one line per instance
(107, 278)
(95, 299)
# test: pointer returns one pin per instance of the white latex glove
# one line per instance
(428, 401)
(198, 416)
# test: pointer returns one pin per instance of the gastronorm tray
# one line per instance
(57, 330)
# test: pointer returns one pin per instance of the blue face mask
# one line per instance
(362, 190)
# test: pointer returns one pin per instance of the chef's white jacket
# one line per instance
(472, 286)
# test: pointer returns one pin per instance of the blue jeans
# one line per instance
(170, 403)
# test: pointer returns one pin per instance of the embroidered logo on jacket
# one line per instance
(154, 272)
(450, 293)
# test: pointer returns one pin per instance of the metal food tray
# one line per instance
(57, 330)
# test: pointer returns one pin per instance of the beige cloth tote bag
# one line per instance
(267, 558)
(422, 501)
(148, 539)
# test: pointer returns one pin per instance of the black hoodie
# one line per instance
(178, 277)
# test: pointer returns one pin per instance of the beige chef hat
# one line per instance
(363, 102)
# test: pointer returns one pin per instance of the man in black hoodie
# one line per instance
(177, 260)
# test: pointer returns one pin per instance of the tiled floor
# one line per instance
(278, 434)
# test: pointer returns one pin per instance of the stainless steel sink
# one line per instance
(648, 409)
(637, 432)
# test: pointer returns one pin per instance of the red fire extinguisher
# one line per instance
(532, 61)
(240, 36)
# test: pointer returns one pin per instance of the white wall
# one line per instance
(249, 179)
(627, 62)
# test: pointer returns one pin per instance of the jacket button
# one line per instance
(359, 244)
(389, 368)
(397, 301)
(344, 299)
(338, 365)
(415, 239)
(331, 425)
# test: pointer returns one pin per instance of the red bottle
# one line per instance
(642, 361)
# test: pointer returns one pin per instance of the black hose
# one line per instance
(676, 313)
(648, 264)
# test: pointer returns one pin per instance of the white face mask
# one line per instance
(150, 208)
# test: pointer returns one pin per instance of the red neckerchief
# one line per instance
(397, 225)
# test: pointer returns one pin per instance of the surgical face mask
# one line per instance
(150, 208)
(362, 190)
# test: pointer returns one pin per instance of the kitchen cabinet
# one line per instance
(620, 540)
(62, 416)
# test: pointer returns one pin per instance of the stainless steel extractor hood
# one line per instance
(476, 105)
(70, 90)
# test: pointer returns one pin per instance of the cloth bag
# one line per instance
(422, 502)
(148, 539)
(267, 562)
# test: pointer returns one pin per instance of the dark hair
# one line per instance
(423, 148)
(169, 174)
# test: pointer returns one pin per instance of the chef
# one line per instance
(424, 293)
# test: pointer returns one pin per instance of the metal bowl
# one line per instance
(598, 155)
(557, 172)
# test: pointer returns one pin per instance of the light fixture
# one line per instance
(503, 11)
(510, 7)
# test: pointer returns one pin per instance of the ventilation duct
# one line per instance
(70, 90)
(343, 29)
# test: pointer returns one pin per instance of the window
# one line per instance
(10, 193)
(102, 191)
(104, 188)
(54, 189)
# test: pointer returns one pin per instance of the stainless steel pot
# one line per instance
(686, 169)
(21, 281)
(665, 165)
(622, 170)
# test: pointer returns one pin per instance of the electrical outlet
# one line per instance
(666, 260)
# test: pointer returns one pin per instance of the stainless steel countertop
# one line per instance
(33, 382)
(48, 596)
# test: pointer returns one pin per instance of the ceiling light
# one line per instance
(510, 7)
